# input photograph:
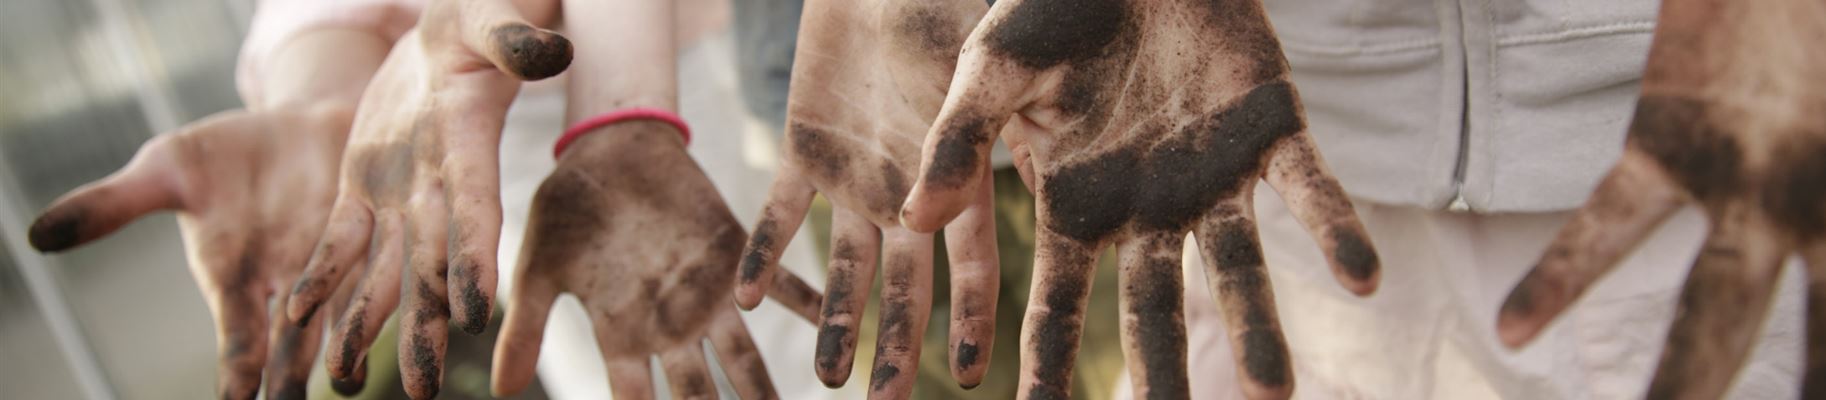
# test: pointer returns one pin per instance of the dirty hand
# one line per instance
(1137, 122)
(420, 181)
(868, 79)
(1731, 119)
(252, 191)
(630, 225)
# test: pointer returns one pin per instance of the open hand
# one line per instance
(1137, 122)
(420, 181)
(867, 81)
(630, 225)
(1732, 119)
(252, 191)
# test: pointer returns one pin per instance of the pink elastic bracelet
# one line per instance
(590, 124)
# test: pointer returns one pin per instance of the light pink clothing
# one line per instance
(277, 21)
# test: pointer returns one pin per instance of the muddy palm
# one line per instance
(1137, 122)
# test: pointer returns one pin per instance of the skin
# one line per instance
(418, 196)
(1138, 122)
(1730, 121)
(867, 83)
(252, 191)
(630, 225)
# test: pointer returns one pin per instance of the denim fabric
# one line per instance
(766, 33)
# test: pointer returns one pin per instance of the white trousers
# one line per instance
(1429, 330)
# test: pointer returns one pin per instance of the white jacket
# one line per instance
(1494, 105)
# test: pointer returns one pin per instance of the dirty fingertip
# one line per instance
(531, 53)
(57, 230)
(474, 307)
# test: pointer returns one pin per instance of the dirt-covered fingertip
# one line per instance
(531, 53)
(57, 230)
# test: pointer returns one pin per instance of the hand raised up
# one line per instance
(867, 81)
(630, 225)
(1137, 122)
(420, 182)
(1731, 119)
(252, 191)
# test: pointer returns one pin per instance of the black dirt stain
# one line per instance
(1042, 34)
(58, 230)
(1243, 28)
(290, 390)
(840, 286)
(832, 340)
(1795, 194)
(1265, 356)
(1157, 305)
(1355, 254)
(1178, 179)
(1237, 247)
(387, 172)
(825, 154)
(347, 387)
(351, 351)
(893, 190)
(1520, 302)
(1080, 90)
(1056, 334)
(955, 159)
(1707, 161)
(697, 385)
(932, 30)
(475, 304)
(967, 355)
(759, 246)
(531, 53)
(430, 368)
(883, 375)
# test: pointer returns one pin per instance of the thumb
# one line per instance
(986, 91)
(148, 183)
(497, 31)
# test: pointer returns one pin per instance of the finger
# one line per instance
(496, 30)
(687, 373)
(1298, 173)
(785, 209)
(1721, 309)
(629, 378)
(473, 173)
(1813, 385)
(517, 350)
(1153, 315)
(343, 244)
(855, 246)
(1055, 317)
(425, 317)
(374, 299)
(906, 306)
(1238, 278)
(741, 362)
(294, 351)
(975, 281)
(1627, 205)
(94, 210)
(240, 340)
(796, 295)
(987, 90)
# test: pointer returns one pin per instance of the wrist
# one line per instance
(596, 125)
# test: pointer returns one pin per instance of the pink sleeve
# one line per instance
(277, 21)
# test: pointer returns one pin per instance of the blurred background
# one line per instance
(85, 82)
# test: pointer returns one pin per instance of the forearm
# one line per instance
(321, 67)
(625, 56)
